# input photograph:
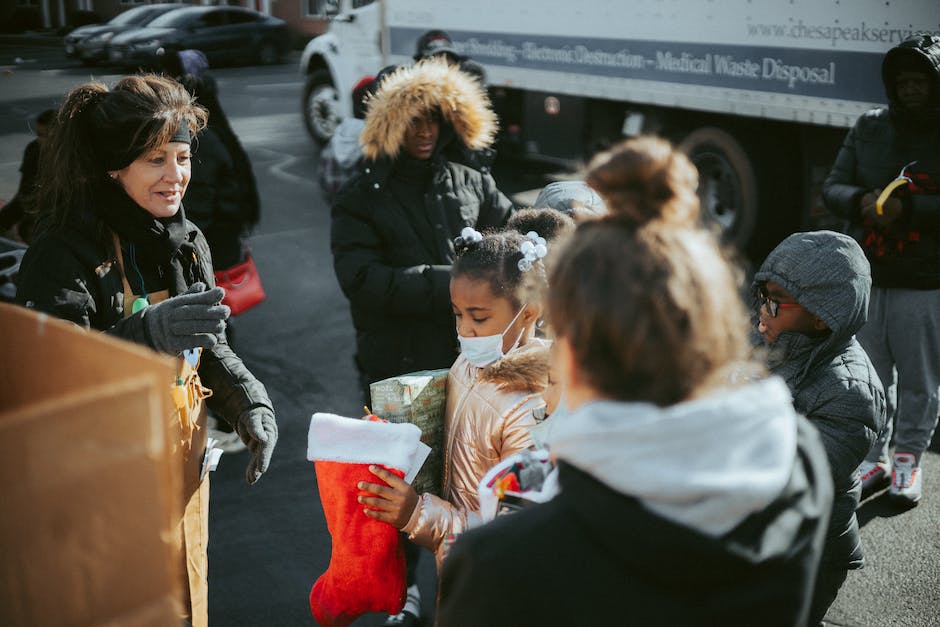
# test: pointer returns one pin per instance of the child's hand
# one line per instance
(392, 503)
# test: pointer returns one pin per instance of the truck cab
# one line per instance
(336, 60)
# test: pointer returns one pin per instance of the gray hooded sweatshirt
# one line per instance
(831, 378)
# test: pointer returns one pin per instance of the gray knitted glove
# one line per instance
(258, 430)
(190, 320)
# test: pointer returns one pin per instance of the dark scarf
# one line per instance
(161, 244)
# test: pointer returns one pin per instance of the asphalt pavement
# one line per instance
(268, 542)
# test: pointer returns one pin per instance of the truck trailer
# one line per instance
(759, 93)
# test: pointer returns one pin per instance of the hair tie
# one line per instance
(532, 249)
(471, 235)
(468, 237)
(87, 101)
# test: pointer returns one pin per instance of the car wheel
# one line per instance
(727, 182)
(268, 53)
(321, 106)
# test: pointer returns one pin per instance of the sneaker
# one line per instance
(410, 616)
(906, 478)
(874, 476)
(402, 619)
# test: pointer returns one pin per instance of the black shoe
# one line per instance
(402, 619)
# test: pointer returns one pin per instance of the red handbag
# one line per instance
(243, 289)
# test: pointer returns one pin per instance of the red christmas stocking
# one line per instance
(367, 565)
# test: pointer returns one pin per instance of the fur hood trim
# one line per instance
(428, 85)
(523, 370)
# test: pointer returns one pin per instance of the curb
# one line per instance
(51, 41)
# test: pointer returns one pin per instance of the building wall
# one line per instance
(295, 13)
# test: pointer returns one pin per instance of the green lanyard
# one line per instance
(143, 301)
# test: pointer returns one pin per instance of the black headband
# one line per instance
(182, 133)
(114, 152)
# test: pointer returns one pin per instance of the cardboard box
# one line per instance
(90, 487)
(421, 399)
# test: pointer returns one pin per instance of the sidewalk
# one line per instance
(32, 38)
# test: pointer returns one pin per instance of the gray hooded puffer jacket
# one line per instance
(831, 378)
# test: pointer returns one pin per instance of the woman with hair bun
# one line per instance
(646, 180)
(691, 492)
(115, 252)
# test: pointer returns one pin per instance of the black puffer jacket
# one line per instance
(393, 225)
(70, 273)
(222, 197)
(882, 142)
(218, 200)
(395, 268)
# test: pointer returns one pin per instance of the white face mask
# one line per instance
(483, 350)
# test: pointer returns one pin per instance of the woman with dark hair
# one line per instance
(691, 493)
(115, 252)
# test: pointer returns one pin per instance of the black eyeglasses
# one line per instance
(773, 306)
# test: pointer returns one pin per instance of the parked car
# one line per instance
(87, 43)
(224, 34)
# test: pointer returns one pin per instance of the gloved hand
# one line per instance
(258, 430)
(190, 320)
(893, 208)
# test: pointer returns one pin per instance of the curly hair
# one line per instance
(548, 223)
(495, 259)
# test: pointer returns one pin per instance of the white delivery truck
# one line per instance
(758, 92)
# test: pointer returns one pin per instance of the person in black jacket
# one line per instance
(813, 298)
(394, 225)
(115, 252)
(15, 213)
(222, 198)
(902, 243)
(691, 492)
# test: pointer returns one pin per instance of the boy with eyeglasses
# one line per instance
(813, 292)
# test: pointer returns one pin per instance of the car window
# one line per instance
(215, 18)
(156, 12)
(175, 19)
(358, 4)
(242, 17)
(131, 16)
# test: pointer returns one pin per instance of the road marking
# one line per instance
(279, 169)
(266, 86)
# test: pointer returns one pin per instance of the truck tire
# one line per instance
(727, 184)
(321, 106)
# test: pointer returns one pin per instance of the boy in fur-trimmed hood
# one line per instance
(393, 226)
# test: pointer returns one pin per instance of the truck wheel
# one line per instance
(727, 184)
(321, 106)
